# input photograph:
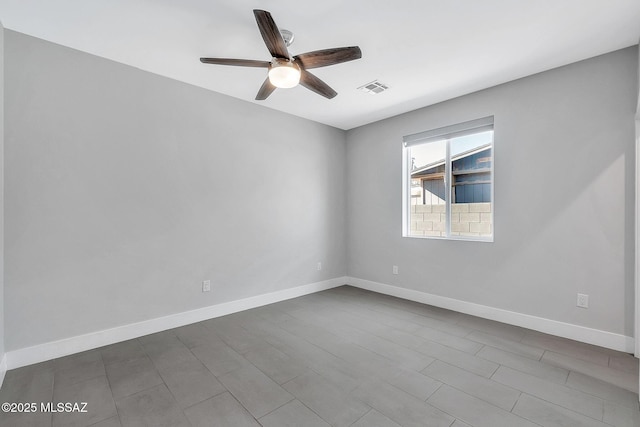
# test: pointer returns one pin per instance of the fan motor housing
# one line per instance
(287, 36)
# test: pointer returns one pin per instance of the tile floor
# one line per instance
(343, 357)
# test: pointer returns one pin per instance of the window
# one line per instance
(448, 182)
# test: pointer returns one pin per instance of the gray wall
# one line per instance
(638, 86)
(124, 190)
(564, 198)
(2, 333)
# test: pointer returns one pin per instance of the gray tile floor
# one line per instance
(343, 357)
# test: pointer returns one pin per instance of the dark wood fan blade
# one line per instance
(316, 85)
(238, 62)
(324, 57)
(265, 90)
(271, 34)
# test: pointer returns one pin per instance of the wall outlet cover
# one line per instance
(206, 285)
(583, 301)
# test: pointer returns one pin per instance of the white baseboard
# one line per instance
(553, 327)
(3, 368)
(51, 350)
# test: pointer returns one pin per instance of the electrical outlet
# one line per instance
(319, 266)
(583, 301)
(206, 285)
(395, 269)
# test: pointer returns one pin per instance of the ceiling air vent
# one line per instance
(374, 88)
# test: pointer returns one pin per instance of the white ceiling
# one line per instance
(427, 51)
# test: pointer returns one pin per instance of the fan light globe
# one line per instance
(284, 75)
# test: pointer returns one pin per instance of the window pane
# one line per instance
(428, 200)
(471, 204)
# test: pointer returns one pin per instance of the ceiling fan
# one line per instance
(284, 70)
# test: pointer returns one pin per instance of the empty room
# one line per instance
(344, 213)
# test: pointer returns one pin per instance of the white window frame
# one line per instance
(446, 133)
